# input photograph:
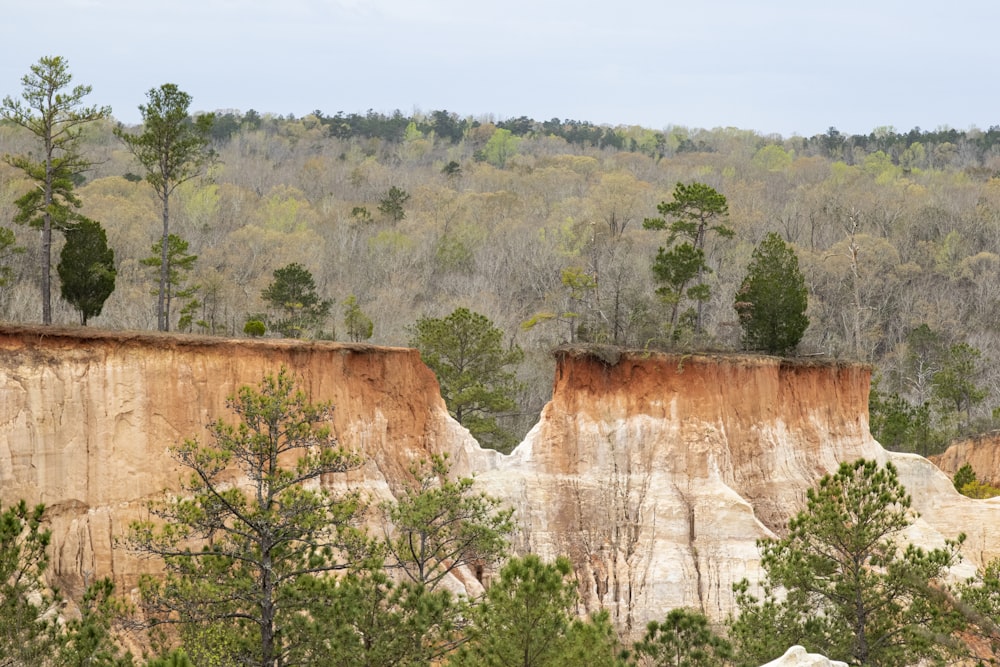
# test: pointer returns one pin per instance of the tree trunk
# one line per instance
(47, 239)
(47, 270)
(162, 309)
(267, 646)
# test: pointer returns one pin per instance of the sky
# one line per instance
(787, 67)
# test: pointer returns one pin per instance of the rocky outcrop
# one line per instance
(656, 474)
(797, 656)
(981, 452)
(87, 419)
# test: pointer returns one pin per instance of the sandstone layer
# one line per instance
(656, 474)
(982, 453)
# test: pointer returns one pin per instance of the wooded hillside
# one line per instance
(897, 235)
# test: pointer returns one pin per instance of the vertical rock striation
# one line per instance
(656, 474)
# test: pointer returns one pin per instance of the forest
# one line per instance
(538, 226)
(518, 235)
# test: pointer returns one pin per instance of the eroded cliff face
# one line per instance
(982, 453)
(87, 418)
(655, 473)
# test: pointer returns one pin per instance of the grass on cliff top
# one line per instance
(611, 355)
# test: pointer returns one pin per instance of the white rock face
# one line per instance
(796, 656)
(655, 475)
(658, 475)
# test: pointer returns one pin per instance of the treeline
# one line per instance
(904, 149)
(539, 227)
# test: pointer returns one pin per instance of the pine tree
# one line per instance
(466, 352)
(694, 212)
(771, 302)
(55, 114)
(292, 294)
(850, 589)
(178, 262)
(241, 559)
(172, 150)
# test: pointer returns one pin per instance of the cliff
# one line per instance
(981, 452)
(87, 418)
(655, 473)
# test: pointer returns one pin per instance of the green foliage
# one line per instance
(674, 270)
(964, 475)
(247, 586)
(27, 631)
(849, 592)
(364, 617)
(358, 325)
(899, 426)
(8, 248)
(176, 658)
(592, 642)
(683, 639)
(55, 115)
(391, 204)
(980, 599)
(172, 150)
(292, 294)
(87, 268)
(689, 215)
(502, 146)
(771, 303)
(178, 263)
(578, 286)
(524, 618)
(977, 489)
(361, 214)
(466, 352)
(88, 641)
(254, 328)
(955, 385)
(438, 525)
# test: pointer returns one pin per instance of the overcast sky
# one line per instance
(773, 66)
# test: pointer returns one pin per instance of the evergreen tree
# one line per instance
(466, 352)
(359, 326)
(964, 475)
(27, 627)
(899, 426)
(847, 588)
(771, 302)
(692, 214)
(293, 295)
(88, 641)
(55, 115)
(683, 639)
(527, 619)
(674, 270)
(438, 525)
(8, 248)
(955, 386)
(391, 204)
(178, 262)
(241, 559)
(365, 617)
(87, 268)
(172, 150)
(980, 598)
